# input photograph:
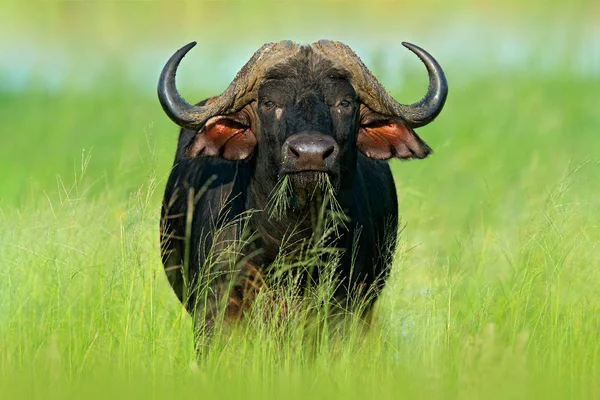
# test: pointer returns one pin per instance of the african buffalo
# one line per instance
(303, 114)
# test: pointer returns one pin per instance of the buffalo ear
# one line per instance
(227, 136)
(390, 137)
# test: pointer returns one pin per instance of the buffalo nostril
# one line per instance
(328, 152)
(293, 152)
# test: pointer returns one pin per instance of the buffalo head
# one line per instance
(305, 109)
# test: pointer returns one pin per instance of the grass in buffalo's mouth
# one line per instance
(311, 191)
(279, 198)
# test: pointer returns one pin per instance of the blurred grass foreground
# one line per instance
(495, 291)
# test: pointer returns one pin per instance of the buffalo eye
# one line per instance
(268, 104)
(345, 103)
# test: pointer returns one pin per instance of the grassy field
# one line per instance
(495, 291)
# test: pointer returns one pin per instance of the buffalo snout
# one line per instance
(308, 151)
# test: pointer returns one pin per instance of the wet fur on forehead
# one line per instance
(307, 64)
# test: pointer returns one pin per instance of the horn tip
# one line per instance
(411, 47)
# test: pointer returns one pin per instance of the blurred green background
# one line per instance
(496, 278)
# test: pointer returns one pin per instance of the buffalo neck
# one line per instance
(296, 227)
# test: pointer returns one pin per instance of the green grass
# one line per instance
(495, 290)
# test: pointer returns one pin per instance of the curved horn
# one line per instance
(374, 95)
(240, 92)
(429, 107)
(180, 111)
